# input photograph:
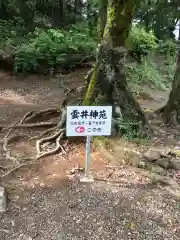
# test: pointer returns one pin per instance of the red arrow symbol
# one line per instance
(80, 129)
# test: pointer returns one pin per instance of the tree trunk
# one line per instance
(108, 83)
(77, 10)
(102, 17)
(171, 111)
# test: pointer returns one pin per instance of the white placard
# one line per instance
(88, 120)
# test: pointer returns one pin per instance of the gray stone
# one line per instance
(164, 162)
(166, 153)
(175, 164)
(3, 200)
(152, 155)
(156, 169)
(142, 165)
(162, 180)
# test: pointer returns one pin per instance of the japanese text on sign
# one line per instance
(88, 120)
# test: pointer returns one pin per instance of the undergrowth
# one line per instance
(49, 48)
(150, 72)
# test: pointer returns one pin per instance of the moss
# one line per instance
(102, 17)
(91, 87)
(119, 17)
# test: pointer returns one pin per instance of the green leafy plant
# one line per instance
(129, 129)
(140, 42)
(148, 73)
(53, 47)
(168, 47)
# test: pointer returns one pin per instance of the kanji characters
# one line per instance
(102, 114)
(84, 114)
(75, 114)
(93, 114)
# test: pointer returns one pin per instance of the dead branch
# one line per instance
(53, 151)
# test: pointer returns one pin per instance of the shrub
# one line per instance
(140, 42)
(167, 47)
(53, 47)
(129, 129)
(147, 73)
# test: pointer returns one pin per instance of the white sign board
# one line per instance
(88, 120)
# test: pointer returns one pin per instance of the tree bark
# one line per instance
(108, 83)
(102, 17)
(171, 111)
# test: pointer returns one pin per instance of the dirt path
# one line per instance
(47, 202)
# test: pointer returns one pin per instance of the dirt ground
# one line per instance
(46, 199)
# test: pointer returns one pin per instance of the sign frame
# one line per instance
(88, 121)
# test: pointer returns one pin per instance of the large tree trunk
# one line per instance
(108, 84)
(102, 17)
(171, 111)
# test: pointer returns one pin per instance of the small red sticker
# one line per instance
(80, 129)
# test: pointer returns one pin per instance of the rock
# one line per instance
(24, 237)
(162, 180)
(166, 152)
(175, 164)
(3, 200)
(133, 159)
(156, 169)
(152, 155)
(176, 152)
(142, 165)
(61, 236)
(164, 162)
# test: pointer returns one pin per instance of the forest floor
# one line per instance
(46, 199)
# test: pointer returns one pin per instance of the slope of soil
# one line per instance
(46, 200)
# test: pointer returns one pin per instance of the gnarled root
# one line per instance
(6, 150)
(33, 116)
(58, 136)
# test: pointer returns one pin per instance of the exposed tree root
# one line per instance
(16, 138)
(53, 151)
(42, 113)
(7, 139)
(39, 142)
(26, 116)
(44, 133)
(34, 125)
(16, 168)
(2, 167)
(5, 148)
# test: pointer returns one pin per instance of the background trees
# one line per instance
(50, 36)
